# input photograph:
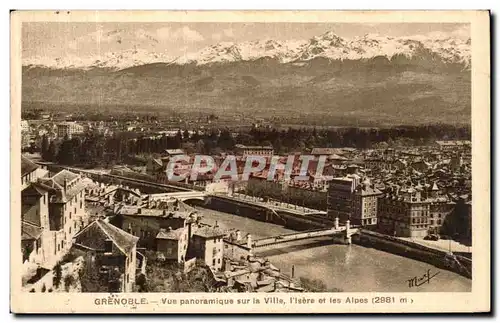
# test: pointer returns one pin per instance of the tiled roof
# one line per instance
(326, 151)
(175, 151)
(209, 232)
(63, 175)
(96, 233)
(171, 235)
(34, 189)
(30, 231)
(27, 166)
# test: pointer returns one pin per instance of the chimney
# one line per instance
(65, 184)
(163, 230)
(169, 229)
(216, 224)
(238, 235)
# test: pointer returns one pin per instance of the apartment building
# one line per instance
(265, 151)
(365, 204)
(208, 244)
(66, 209)
(68, 129)
(404, 213)
(340, 195)
(111, 250)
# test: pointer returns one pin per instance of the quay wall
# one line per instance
(261, 213)
(458, 264)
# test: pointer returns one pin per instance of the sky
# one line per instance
(59, 39)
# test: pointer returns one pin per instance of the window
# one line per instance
(69, 230)
(127, 278)
(213, 262)
(108, 246)
(218, 261)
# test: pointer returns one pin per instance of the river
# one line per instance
(350, 268)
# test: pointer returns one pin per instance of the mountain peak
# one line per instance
(328, 45)
(329, 35)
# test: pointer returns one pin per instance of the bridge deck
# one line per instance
(296, 236)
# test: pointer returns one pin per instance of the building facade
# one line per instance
(340, 197)
(265, 151)
(173, 244)
(365, 205)
(404, 214)
(208, 245)
(66, 194)
(112, 251)
(68, 129)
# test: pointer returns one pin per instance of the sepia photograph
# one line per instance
(301, 157)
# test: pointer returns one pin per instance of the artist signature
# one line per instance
(424, 279)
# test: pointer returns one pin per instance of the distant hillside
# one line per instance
(396, 90)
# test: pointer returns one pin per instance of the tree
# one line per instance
(185, 135)
(57, 275)
(52, 152)
(66, 155)
(45, 148)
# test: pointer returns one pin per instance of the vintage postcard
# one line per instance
(250, 162)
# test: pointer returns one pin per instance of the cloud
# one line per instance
(462, 33)
(216, 36)
(228, 32)
(184, 34)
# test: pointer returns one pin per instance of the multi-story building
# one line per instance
(35, 231)
(25, 126)
(29, 172)
(404, 213)
(208, 244)
(173, 244)
(147, 223)
(265, 151)
(365, 204)
(340, 196)
(111, 249)
(454, 145)
(439, 209)
(53, 210)
(66, 196)
(68, 129)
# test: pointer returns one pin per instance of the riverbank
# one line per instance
(428, 254)
(352, 268)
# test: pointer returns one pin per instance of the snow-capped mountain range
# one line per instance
(328, 45)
